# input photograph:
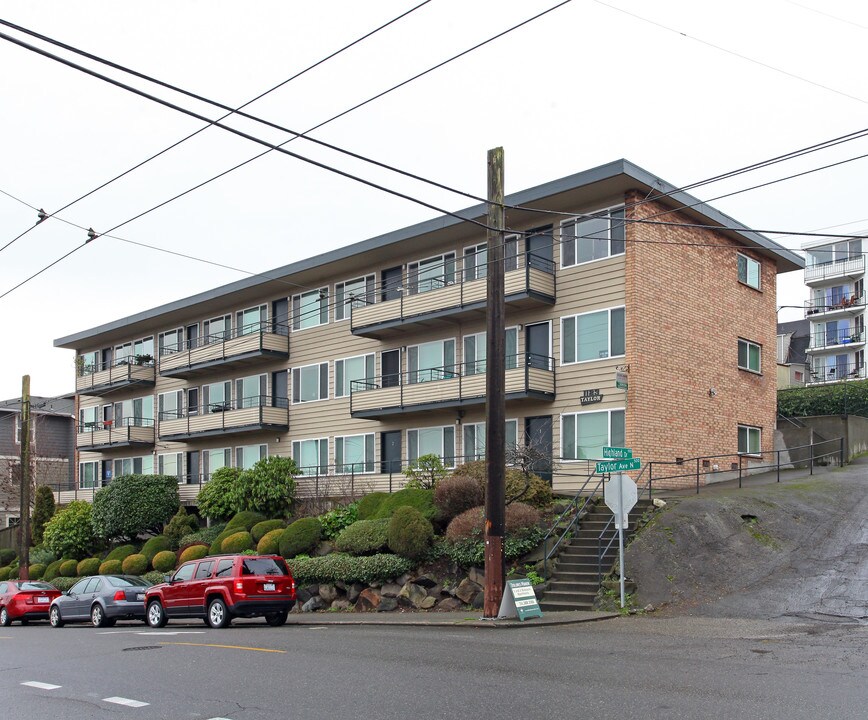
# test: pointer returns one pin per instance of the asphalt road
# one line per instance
(638, 667)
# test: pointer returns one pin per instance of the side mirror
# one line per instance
(167, 578)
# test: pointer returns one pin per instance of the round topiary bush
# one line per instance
(88, 566)
(363, 537)
(69, 568)
(154, 545)
(121, 552)
(111, 567)
(7, 555)
(37, 570)
(217, 546)
(52, 571)
(154, 577)
(64, 583)
(205, 535)
(422, 500)
(164, 561)
(135, 564)
(409, 533)
(455, 494)
(299, 537)
(470, 524)
(193, 552)
(4, 572)
(266, 526)
(238, 542)
(269, 544)
(529, 489)
(370, 504)
(245, 520)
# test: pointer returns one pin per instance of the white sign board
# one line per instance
(621, 495)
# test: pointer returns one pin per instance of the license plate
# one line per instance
(268, 587)
(140, 596)
(42, 600)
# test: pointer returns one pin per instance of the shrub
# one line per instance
(7, 555)
(134, 504)
(468, 553)
(337, 519)
(425, 472)
(64, 583)
(111, 567)
(409, 533)
(338, 567)
(4, 572)
(36, 571)
(215, 498)
(364, 537)
(154, 577)
(70, 532)
(164, 561)
(244, 520)
(456, 494)
(43, 511)
(52, 570)
(470, 525)
(69, 568)
(422, 500)
(217, 546)
(135, 564)
(88, 566)
(180, 525)
(205, 535)
(238, 542)
(194, 552)
(368, 505)
(121, 552)
(41, 555)
(268, 487)
(266, 526)
(153, 546)
(532, 490)
(299, 537)
(269, 544)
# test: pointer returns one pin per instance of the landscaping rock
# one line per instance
(426, 581)
(450, 605)
(390, 590)
(427, 603)
(413, 593)
(353, 591)
(477, 576)
(387, 604)
(403, 580)
(302, 596)
(467, 590)
(478, 601)
(369, 599)
(341, 605)
(314, 604)
(328, 593)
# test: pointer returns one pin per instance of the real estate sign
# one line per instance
(519, 600)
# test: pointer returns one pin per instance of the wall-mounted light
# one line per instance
(712, 392)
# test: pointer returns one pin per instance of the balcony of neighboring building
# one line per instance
(445, 291)
(245, 346)
(836, 339)
(99, 380)
(835, 307)
(528, 377)
(107, 434)
(838, 369)
(820, 273)
(250, 414)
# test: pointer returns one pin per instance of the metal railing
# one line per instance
(251, 401)
(839, 336)
(824, 271)
(835, 373)
(833, 304)
(260, 328)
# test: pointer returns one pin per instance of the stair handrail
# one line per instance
(601, 551)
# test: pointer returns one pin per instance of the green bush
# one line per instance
(41, 554)
(422, 500)
(154, 545)
(300, 537)
(338, 567)
(337, 519)
(88, 566)
(364, 537)
(269, 544)
(121, 552)
(193, 552)
(154, 577)
(7, 555)
(238, 542)
(205, 535)
(70, 532)
(64, 583)
(470, 525)
(217, 546)
(164, 561)
(266, 526)
(135, 564)
(36, 571)
(531, 490)
(133, 505)
(850, 398)
(409, 533)
(369, 505)
(180, 525)
(456, 494)
(69, 568)
(52, 570)
(43, 511)
(425, 472)
(245, 520)
(111, 567)
(268, 487)
(4, 572)
(470, 553)
(215, 498)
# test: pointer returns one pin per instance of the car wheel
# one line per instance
(218, 615)
(277, 619)
(97, 616)
(5, 620)
(156, 615)
(54, 617)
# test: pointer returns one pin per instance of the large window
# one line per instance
(310, 309)
(749, 356)
(476, 262)
(311, 456)
(171, 341)
(474, 440)
(217, 329)
(213, 460)
(251, 391)
(431, 273)
(138, 412)
(217, 397)
(134, 466)
(354, 453)
(438, 441)
(170, 464)
(749, 440)
(88, 474)
(87, 420)
(252, 320)
(310, 383)
(348, 370)
(476, 349)
(592, 336)
(248, 455)
(170, 405)
(353, 294)
(586, 239)
(89, 363)
(749, 271)
(431, 361)
(837, 252)
(583, 435)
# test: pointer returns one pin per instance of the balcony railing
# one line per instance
(527, 376)
(251, 343)
(126, 432)
(829, 271)
(839, 372)
(842, 339)
(250, 414)
(829, 307)
(102, 380)
(528, 278)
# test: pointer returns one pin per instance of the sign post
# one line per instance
(620, 496)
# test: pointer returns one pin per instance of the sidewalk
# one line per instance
(472, 618)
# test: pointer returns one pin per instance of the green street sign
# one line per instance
(519, 600)
(616, 453)
(618, 466)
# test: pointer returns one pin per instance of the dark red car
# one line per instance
(222, 587)
(25, 600)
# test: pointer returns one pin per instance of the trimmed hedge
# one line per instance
(205, 535)
(4, 572)
(194, 552)
(164, 561)
(37, 570)
(111, 567)
(363, 537)
(154, 577)
(69, 568)
(531, 490)
(88, 566)
(270, 543)
(409, 533)
(156, 544)
(421, 500)
(338, 567)
(64, 583)
(7, 555)
(135, 564)
(121, 552)
(266, 526)
(245, 520)
(52, 571)
(217, 546)
(470, 525)
(370, 504)
(237, 542)
(456, 494)
(471, 553)
(300, 537)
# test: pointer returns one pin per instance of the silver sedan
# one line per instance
(101, 600)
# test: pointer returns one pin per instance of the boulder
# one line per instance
(403, 580)
(353, 591)
(477, 575)
(467, 590)
(390, 590)
(341, 605)
(314, 604)
(450, 605)
(302, 596)
(369, 599)
(478, 601)
(387, 604)
(328, 593)
(414, 593)
(427, 603)
(426, 581)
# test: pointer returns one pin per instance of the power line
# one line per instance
(829, 15)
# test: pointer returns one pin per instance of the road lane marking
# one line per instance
(177, 632)
(125, 701)
(228, 647)
(41, 685)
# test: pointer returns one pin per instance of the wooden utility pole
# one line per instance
(24, 521)
(495, 383)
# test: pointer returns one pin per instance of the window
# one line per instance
(348, 370)
(88, 363)
(170, 406)
(583, 435)
(748, 271)
(783, 348)
(251, 391)
(838, 252)
(18, 428)
(353, 294)
(438, 441)
(311, 456)
(143, 351)
(13, 521)
(217, 397)
(749, 356)
(586, 239)
(248, 455)
(138, 412)
(134, 466)
(431, 361)
(88, 419)
(204, 569)
(217, 329)
(431, 273)
(252, 320)
(310, 309)
(185, 572)
(170, 342)
(592, 336)
(224, 568)
(123, 353)
(310, 383)
(476, 348)
(354, 453)
(213, 460)
(749, 440)
(476, 262)
(474, 439)
(170, 464)
(88, 474)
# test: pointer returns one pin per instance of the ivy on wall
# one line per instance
(845, 398)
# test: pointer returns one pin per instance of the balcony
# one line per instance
(839, 341)
(454, 386)
(531, 282)
(251, 414)
(839, 372)
(830, 309)
(129, 432)
(236, 349)
(824, 272)
(118, 376)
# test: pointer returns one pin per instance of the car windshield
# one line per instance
(34, 586)
(264, 566)
(126, 581)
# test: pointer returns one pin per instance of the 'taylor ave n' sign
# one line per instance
(614, 466)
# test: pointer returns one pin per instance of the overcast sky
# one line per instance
(684, 89)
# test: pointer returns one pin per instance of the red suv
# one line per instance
(221, 587)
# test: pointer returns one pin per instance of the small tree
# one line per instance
(43, 511)
(268, 487)
(135, 504)
(70, 532)
(425, 472)
(215, 500)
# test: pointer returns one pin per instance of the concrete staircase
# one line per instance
(575, 581)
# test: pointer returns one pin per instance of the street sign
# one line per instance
(519, 600)
(620, 380)
(614, 466)
(616, 453)
(620, 495)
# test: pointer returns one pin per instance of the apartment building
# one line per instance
(835, 275)
(360, 360)
(793, 340)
